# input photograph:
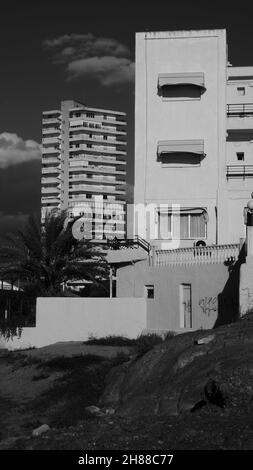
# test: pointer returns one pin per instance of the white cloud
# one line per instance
(108, 70)
(84, 55)
(14, 150)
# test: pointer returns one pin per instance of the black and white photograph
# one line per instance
(126, 232)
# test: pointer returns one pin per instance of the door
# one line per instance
(186, 306)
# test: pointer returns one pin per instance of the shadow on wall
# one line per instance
(228, 299)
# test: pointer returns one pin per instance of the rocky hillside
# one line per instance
(187, 373)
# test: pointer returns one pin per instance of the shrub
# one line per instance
(111, 340)
(146, 342)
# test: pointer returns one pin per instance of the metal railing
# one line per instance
(240, 109)
(135, 242)
(239, 171)
(197, 255)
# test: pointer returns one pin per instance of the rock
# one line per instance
(214, 394)
(8, 443)
(40, 430)
(94, 410)
(205, 340)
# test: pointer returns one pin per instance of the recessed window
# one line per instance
(105, 137)
(90, 115)
(182, 226)
(149, 292)
(88, 196)
(240, 156)
(241, 90)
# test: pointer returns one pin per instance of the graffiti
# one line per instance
(208, 305)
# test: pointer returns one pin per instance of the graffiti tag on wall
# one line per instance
(208, 305)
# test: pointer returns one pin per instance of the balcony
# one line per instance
(101, 170)
(49, 150)
(50, 140)
(51, 130)
(50, 200)
(96, 140)
(239, 171)
(97, 149)
(50, 180)
(54, 190)
(54, 170)
(240, 117)
(94, 158)
(51, 160)
(95, 188)
(240, 110)
(93, 127)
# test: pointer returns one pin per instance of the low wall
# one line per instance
(74, 319)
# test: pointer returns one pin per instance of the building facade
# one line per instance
(193, 139)
(84, 167)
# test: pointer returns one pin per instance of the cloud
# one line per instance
(15, 150)
(87, 56)
(109, 70)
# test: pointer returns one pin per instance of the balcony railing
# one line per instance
(240, 109)
(239, 171)
(197, 255)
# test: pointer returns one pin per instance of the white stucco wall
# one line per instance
(157, 119)
(74, 319)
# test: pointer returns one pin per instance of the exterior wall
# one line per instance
(158, 119)
(74, 319)
(246, 286)
(214, 293)
(239, 139)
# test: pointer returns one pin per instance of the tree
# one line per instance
(44, 259)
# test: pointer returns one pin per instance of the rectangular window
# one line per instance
(191, 225)
(185, 296)
(149, 292)
(241, 91)
(240, 156)
(90, 115)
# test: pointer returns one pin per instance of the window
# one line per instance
(89, 146)
(90, 136)
(184, 225)
(149, 292)
(88, 196)
(241, 91)
(240, 156)
(90, 115)
(105, 137)
(185, 86)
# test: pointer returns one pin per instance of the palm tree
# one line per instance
(43, 259)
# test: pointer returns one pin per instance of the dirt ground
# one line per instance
(54, 385)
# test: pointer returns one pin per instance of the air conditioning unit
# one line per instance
(200, 243)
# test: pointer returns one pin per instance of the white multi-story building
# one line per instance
(84, 166)
(193, 139)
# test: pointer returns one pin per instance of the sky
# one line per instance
(83, 50)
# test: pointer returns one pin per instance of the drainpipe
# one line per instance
(110, 276)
